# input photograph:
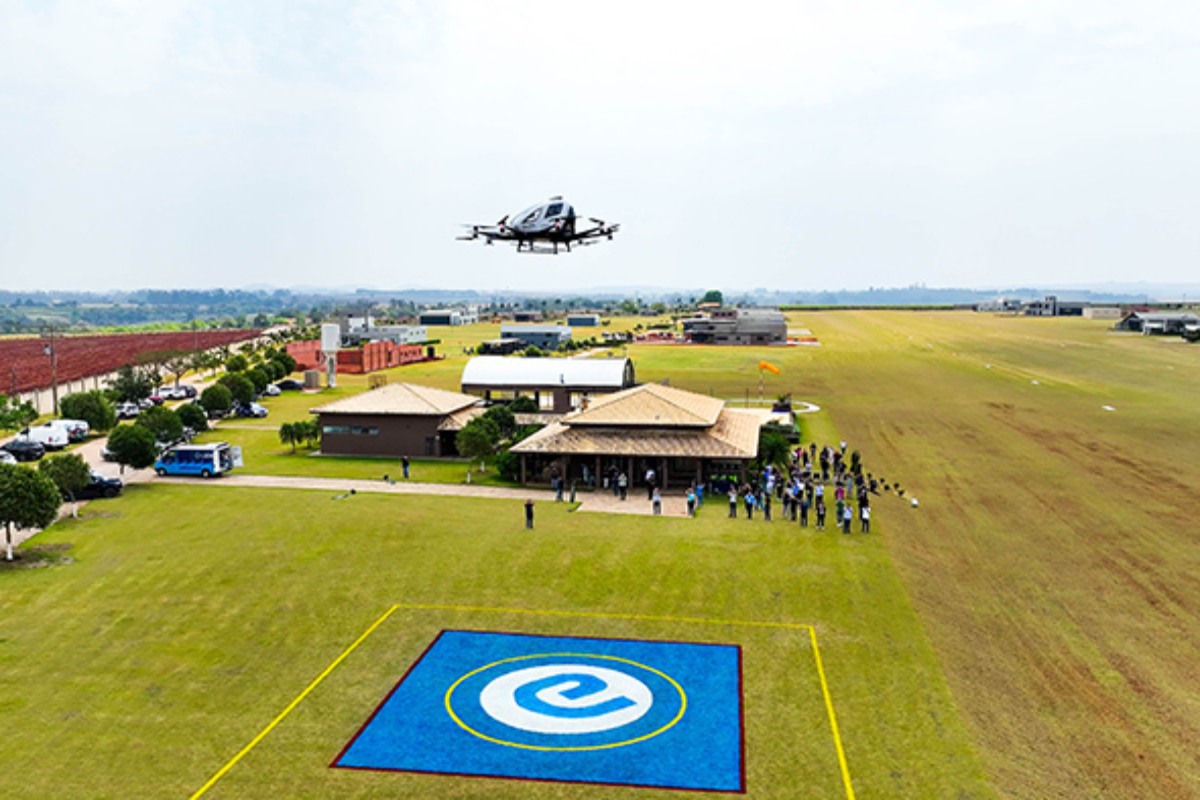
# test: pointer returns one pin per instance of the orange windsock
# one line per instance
(768, 366)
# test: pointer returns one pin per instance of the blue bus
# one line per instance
(205, 460)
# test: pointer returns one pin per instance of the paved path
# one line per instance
(602, 502)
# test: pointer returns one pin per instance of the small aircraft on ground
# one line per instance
(550, 224)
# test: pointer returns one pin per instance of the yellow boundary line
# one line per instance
(262, 734)
(812, 632)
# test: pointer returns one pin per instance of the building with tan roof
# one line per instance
(396, 420)
(681, 435)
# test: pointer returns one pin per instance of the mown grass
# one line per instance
(193, 615)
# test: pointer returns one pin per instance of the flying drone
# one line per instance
(542, 228)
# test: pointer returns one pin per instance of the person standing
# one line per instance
(733, 498)
(820, 507)
(803, 501)
(656, 501)
(691, 502)
(558, 489)
(847, 516)
(864, 515)
(650, 483)
(529, 513)
(749, 498)
(404, 466)
(765, 498)
(700, 494)
(623, 485)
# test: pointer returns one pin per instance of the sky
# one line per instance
(782, 145)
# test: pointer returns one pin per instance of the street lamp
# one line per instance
(50, 350)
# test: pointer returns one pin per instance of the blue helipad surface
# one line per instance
(612, 711)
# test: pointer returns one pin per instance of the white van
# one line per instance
(77, 429)
(49, 436)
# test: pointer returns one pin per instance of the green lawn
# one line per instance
(193, 615)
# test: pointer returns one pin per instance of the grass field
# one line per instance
(189, 621)
(1030, 631)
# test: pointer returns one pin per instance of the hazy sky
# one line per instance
(785, 144)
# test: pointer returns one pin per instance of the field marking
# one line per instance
(308, 689)
(812, 632)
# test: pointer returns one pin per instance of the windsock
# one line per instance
(767, 365)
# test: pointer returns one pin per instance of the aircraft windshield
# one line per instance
(529, 215)
(554, 209)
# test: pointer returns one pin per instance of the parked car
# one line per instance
(7, 457)
(187, 390)
(272, 391)
(77, 429)
(290, 385)
(128, 410)
(107, 454)
(25, 449)
(100, 486)
(249, 410)
(48, 436)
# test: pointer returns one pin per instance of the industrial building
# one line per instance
(449, 316)
(546, 337)
(356, 330)
(737, 326)
(583, 320)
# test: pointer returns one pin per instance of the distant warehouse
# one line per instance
(737, 326)
(448, 316)
(546, 337)
(583, 320)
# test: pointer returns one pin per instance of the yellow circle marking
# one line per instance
(652, 734)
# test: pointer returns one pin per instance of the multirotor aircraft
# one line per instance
(550, 224)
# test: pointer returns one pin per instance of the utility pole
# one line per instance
(51, 350)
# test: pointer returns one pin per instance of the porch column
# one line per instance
(666, 478)
(522, 469)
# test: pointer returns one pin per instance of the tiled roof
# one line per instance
(459, 419)
(401, 399)
(734, 435)
(650, 405)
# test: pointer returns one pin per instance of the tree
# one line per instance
(289, 363)
(239, 386)
(163, 422)
(70, 474)
(14, 414)
(192, 416)
(291, 433)
(92, 407)
(533, 351)
(773, 448)
(216, 399)
(523, 405)
(312, 431)
(236, 363)
(134, 383)
(258, 378)
(503, 417)
(273, 370)
(132, 446)
(28, 499)
(713, 296)
(478, 438)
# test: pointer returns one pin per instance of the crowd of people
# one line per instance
(818, 482)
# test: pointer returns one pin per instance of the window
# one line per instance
(336, 430)
(362, 430)
(531, 216)
(554, 209)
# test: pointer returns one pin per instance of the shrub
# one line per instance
(92, 407)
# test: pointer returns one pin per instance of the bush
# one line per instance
(508, 465)
(287, 362)
(523, 405)
(92, 407)
(236, 363)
